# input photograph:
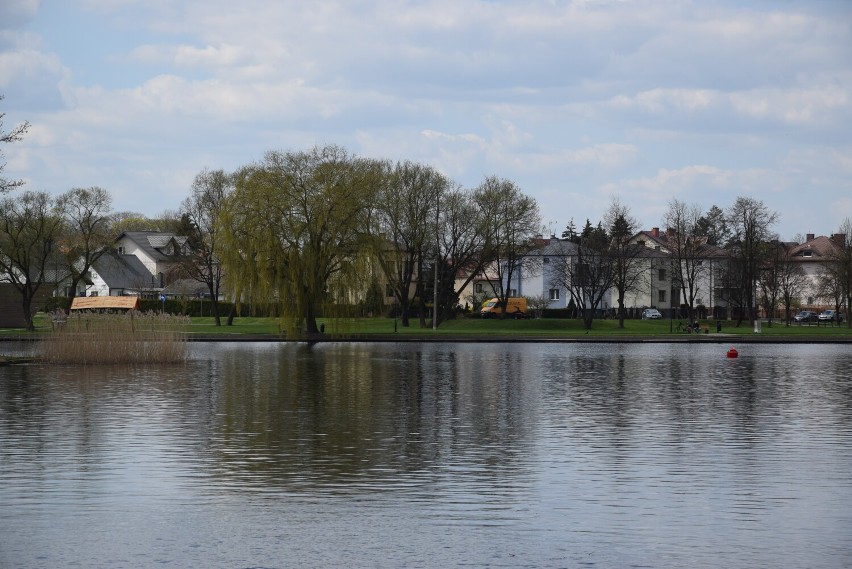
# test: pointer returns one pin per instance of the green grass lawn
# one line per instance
(527, 328)
(475, 327)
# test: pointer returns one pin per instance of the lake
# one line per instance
(268, 455)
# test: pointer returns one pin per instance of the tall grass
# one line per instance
(114, 338)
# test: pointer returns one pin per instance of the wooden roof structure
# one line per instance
(105, 302)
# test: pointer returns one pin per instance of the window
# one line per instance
(389, 290)
(554, 294)
(546, 260)
(477, 288)
(93, 293)
(662, 275)
(661, 296)
(513, 292)
(121, 250)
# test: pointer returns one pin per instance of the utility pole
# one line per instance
(435, 271)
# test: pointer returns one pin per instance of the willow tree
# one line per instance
(242, 222)
(301, 231)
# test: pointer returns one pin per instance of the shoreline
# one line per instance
(712, 338)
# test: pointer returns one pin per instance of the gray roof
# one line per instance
(152, 242)
(122, 271)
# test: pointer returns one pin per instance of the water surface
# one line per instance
(433, 455)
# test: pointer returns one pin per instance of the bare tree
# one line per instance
(14, 135)
(588, 276)
(87, 234)
(792, 282)
(407, 211)
(29, 228)
(510, 220)
(627, 261)
(463, 251)
(202, 210)
(687, 248)
(769, 280)
(835, 278)
(750, 222)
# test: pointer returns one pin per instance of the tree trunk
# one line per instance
(311, 320)
(27, 303)
(214, 305)
(71, 294)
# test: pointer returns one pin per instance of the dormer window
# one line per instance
(807, 253)
(121, 250)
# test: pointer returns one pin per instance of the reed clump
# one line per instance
(116, 338)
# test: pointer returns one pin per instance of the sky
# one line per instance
(578, 102)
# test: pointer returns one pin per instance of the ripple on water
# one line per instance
(408, 455)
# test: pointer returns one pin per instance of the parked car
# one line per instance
(805, 316)
(831, 316)
(516, 307)
(651, 314)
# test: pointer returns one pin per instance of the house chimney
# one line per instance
(655, 231)
(809, 237)
(839, 239)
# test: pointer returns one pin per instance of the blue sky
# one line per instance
(575, 101)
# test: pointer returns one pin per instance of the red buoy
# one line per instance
(732, 353)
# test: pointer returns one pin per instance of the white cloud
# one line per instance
(813, 106)
(574, 100)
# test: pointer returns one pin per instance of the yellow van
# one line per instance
(516, 307)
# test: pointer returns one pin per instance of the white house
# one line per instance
(158, 251)
(663, 286)
(114, 274)
(813, 255)
(138, 266)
